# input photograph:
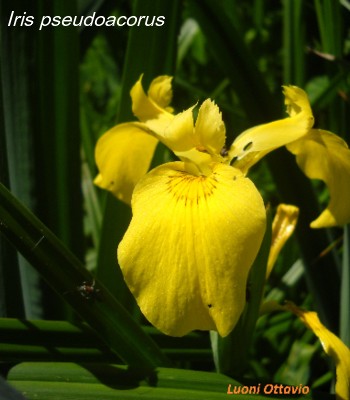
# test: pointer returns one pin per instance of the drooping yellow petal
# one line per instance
(189, 247)
(253, 144)
(282, 228)
(123, 155)
(156, 103)
(332, 345)
(323, 155)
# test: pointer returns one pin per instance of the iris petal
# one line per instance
(177, 133)
(332, 345)
(210, 129)
(200, 144)
(160, 91)
(253, 144)
(123, 155)
(188, 250)
(149, 107)
(323, 155)
(283, 226)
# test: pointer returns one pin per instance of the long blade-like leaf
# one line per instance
(63, 271)
(51, 381)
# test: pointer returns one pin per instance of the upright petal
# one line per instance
(200, 144)
(178, 133)
(323, 155)
(123, 155)
(156, 103)
(189, 247)
(253, 144)
(209, 129)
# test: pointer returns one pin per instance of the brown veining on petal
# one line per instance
(190, 189)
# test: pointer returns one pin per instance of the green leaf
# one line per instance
(30, 340)
(57, 147)
(235, 60)
(7, 392)
(11, 301)
(98, 381)
(41, 107)
(330, 25)
(294, 44)
(64, 273)
(17, 142)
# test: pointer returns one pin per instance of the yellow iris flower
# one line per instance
(197, 223)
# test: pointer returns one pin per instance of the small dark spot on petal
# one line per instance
(210, 305)
(234, 159)
(235, 177)
(247, 146)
